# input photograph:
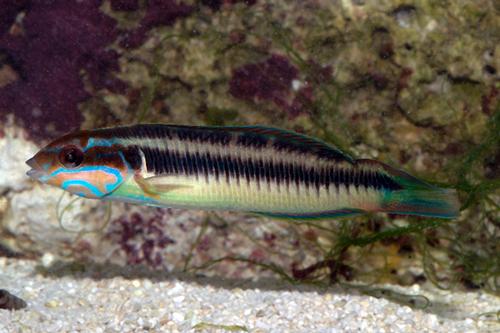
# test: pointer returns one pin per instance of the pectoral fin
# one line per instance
(155, 186)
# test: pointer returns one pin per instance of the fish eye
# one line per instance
(71, 157)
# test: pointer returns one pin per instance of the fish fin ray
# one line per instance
(306, 141)
(401, 177)
(338, 213)
(297, 138)
(154, 187)
(441, 203)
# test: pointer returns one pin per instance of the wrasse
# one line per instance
(253, 169)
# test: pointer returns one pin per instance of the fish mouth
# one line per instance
(35, 172)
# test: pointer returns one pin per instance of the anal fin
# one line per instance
(315, 216)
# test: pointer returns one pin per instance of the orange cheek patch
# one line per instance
(89, 182)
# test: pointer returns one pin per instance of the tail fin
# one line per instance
(416, 197)
(438, 202)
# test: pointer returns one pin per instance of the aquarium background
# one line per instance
(414, 84)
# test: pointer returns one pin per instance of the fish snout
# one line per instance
(36, 171)
(32, 163)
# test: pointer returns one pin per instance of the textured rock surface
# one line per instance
(14, 148)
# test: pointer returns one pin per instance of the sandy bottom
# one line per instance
(113, 299)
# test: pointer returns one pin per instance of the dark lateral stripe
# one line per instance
(252, 140)
(169, 132)
(202, 135)
(321, 151)
(136, 131)
(235, 168)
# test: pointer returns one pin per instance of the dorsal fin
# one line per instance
(305, 142)
(401, 177)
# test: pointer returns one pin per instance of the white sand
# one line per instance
(110, 300)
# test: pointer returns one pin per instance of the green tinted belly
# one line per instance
(243, 195)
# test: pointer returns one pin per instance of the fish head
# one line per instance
(83, 164)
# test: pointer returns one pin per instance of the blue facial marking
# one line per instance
(124, 160)
(109, 187)
(44, 179)
(99, 143)
(106, 169)
(83, 183)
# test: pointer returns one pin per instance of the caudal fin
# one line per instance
(416, 197)
(442, 203)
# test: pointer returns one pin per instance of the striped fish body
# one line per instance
(253, 169)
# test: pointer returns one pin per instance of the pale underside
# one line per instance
(243, 195)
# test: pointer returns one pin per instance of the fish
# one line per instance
(254, 169)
